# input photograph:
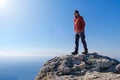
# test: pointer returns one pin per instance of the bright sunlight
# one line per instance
(3, 3)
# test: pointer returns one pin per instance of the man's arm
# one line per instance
(82, 24)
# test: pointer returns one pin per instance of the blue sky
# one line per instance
(45, 27)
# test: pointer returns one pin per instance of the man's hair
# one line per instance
(76, 11)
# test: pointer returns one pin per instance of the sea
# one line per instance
(21, 68)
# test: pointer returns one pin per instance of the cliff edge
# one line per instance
(80, 67)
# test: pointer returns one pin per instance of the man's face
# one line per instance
(76, 14)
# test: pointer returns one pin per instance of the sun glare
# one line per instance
(3, 3)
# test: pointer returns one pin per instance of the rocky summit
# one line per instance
(80, 67)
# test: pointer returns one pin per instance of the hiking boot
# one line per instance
(85, 52)
(74, 53)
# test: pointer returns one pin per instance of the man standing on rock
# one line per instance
(79, 28)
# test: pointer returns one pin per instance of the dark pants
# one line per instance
(77, 36)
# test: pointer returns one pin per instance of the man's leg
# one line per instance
(77, 42)
(84, 42)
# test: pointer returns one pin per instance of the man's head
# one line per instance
(76, 13)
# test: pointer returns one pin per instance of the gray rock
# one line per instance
(45, 69)
(79, 57)
(118, 68)
(75, 61)
(64, 70)
(95, 69)
(83, 72)
(80, 67)
(101, 76)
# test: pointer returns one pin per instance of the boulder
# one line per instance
(91, 66)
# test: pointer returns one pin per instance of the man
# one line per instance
(79, 28)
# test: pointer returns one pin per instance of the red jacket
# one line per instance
(79, 24)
